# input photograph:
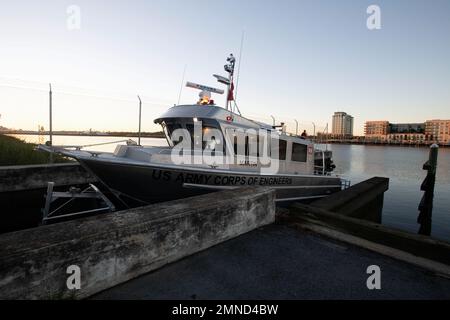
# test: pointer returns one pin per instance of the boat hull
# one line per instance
(152, 184)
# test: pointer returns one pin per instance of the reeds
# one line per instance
(14, 151)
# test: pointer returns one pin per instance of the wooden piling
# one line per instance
(426, 204)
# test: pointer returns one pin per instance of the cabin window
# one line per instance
(213, 140)
(279, 154)
(247, 147)
(243, 149)
(215, 143)
(299, 152)
(252, 142)
(251, 145)
(282, 148)
(169, 128)
(238, 140)
(196, 140)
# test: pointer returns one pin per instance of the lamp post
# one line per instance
(273, 120)
(140, 108)
(50, 114)
(50, 120)
(296, 127)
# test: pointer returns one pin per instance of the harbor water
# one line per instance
(402, 165)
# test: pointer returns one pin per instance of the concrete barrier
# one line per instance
(116, 247)
(363, 200)
(18, 178)
(417, 245)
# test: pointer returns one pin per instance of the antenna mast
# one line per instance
(181, 86)
(229, 67)
(239, 66)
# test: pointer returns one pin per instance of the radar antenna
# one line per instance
(228, 81)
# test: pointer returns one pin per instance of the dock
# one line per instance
(233, 244)
(279, 262)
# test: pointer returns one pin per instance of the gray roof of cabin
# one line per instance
(208, 112)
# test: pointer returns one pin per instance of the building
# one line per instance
(376, 129)
(438, 131)
(406, 132)
(342, 124)
(407, 128)
(432, 131)
(406, 138)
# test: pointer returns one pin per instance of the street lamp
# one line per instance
(296, 127)
(273, 118)
(50, 114)
(51, 120)
(140, 108)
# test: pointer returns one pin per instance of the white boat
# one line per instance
(212, 148)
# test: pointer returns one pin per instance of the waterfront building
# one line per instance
(406, 138)
(407, 128)
(438, 131)
(431, 131)
(376, 128)
(406, 133)
(342, 124)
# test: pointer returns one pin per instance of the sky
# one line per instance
(301, 60)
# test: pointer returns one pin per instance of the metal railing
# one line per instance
(345, 184)
(91, 192)
(320, 169)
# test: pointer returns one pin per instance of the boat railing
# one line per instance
(51, 148)
(345, 183)
(321, 169)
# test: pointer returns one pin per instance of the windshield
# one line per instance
(209, 138)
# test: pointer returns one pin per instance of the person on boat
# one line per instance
(304, 135)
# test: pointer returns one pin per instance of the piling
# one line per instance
(426, 204)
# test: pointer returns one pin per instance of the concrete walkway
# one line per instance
(278, 262)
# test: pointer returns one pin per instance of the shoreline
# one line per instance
(115, 134)
(427, 145)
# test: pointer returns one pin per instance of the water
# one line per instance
(402, 165)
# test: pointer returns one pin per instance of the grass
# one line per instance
(14, 151)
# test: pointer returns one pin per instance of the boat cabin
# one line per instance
(225, 133)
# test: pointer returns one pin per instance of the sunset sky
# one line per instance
(301, 60)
